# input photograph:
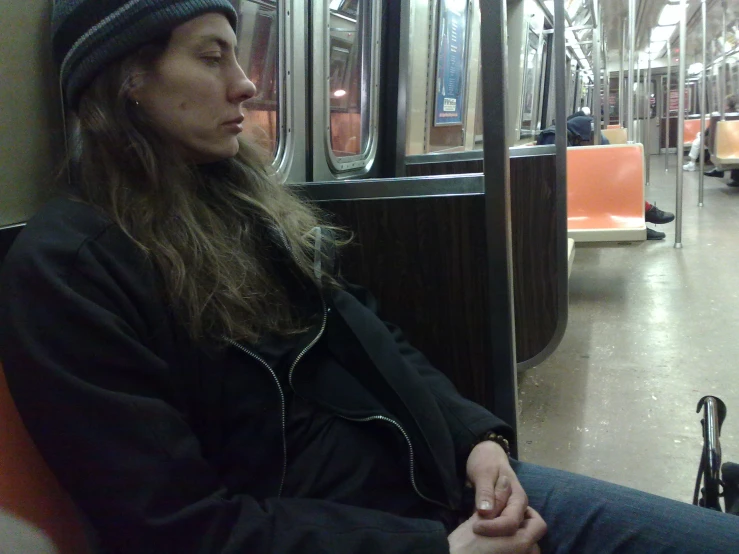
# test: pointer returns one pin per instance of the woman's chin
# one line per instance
(212, 155)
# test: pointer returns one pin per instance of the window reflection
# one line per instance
(259, 57)
(528, 115)
(349, 22)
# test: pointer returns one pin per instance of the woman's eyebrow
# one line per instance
(208, 39)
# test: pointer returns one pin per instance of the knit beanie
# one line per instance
(87, 35)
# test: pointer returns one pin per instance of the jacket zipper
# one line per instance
(310, 345)
(282, 406)
(279, 387)
(410, 451)
(357, 420)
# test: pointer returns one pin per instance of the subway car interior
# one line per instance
(539, 268)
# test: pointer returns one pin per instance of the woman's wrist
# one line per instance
(496, 439)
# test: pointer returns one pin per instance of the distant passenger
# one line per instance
(584, 110)
(202, 382)
(579, 132)
(731, 105)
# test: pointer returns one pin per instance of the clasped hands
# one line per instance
(503, 521)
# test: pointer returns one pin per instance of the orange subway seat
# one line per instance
(691, 128)
(727, 144)
(605, 193)
(28, 489)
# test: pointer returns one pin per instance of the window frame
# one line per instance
(369, 87)
(283, 154)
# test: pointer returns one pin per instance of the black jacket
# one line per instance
(127, 412)
(578, 126)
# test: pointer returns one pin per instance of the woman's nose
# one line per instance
(242, 88)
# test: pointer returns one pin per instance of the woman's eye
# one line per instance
(212, 60)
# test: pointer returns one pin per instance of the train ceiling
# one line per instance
(615, 13)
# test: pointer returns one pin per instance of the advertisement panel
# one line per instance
(451, 63)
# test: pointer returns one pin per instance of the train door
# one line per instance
(649, 113)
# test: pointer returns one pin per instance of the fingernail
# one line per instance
(485, 505)
(504, 483)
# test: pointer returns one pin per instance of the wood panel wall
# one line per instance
(425, 261)
(535, 241)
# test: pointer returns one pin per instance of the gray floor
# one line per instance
(651, 330)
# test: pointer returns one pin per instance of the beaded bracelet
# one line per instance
(500, 440)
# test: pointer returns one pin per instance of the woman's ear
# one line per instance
(135, 83)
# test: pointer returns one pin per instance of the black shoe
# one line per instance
(657, 216)
(732, 184)
(714, 173)
(654, 235)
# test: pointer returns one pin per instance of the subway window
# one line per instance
(529, 100)
(542, 83)
(259, 56)
(353, 50)
(551, 91)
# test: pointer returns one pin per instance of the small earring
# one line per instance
(136, 103)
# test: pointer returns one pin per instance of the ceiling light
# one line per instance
(669, 15)
(661, 34)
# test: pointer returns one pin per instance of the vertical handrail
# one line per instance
(561, 74)
(722, 69)
(630, 86)
(606, 99)
(648, 88)
(403, 80)
(667, 104)
(680, 128)
(639, 107)
(560, 86)
(502, 387)
(621, 112)
(702, 151)
(607, 77)
(596, 74)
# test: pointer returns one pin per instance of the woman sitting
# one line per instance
(201, 382)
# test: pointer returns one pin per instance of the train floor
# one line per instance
(651, 330)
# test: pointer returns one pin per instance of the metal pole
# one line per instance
(647, 152)
(621, 103)
(596, 74)
(702, 151)
(667, 103)
(501, 387)
(607, 78)
(630, 86)
(680, 129)
(638, 107)
(722, 70)
(561, 76)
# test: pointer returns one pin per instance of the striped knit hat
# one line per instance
(89, 34)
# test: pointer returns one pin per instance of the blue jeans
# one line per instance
(585, 515)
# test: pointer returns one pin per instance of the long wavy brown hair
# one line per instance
(213, 232)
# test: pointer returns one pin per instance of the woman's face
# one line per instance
(195, 92)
